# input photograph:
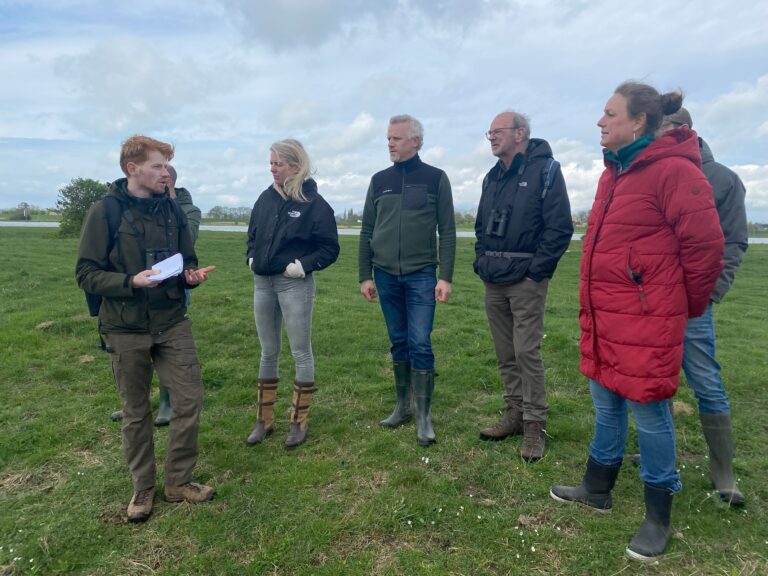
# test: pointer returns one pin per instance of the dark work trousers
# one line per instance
(173, 355)
(516, 318)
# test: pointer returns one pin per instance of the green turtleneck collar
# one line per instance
(626, 155)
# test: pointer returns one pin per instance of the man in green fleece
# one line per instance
(399, 251)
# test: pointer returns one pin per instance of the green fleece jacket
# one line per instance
(404, 207)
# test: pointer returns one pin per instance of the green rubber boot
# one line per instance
(164, 410)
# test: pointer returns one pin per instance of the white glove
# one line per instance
(250, 262)
(294, 270)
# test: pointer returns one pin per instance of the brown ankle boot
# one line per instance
(266, 391)
(510, 424)
(533, 441)
(302, 396)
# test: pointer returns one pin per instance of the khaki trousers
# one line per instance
(516, 318)
(172, 353)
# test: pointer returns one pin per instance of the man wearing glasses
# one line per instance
(523, 227)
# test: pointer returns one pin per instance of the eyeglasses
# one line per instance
(496, 131)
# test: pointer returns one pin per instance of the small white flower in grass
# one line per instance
(517, 556)
(521, 532)
(533, 548)
(544, 336)
(558, 528)
(461, 507)
(470, 495)
(439, 510)
(479, 517)
(409, 523)
(433, 522)
(683, 466)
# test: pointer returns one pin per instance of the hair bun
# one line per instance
(671, 102)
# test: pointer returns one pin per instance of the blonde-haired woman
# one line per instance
(292, 233)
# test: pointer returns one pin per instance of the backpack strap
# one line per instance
(548, 175)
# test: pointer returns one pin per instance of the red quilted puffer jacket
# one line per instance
(652, 253)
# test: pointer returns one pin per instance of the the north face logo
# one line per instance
(695, 190)
(294, 213)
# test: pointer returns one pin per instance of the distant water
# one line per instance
(342, 231)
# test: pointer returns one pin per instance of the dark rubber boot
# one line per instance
(719, 436)
(266, 392)
(402, 413)
(164, 410)
(116, 416)
(423, 385)
(651, 539)
(594, 490)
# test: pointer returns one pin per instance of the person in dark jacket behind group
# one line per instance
(291, 234)
(523, 227)
(651, 256)
(144, 321)
(404, 206)
(699, 364)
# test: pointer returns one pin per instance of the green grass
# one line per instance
(355, 499)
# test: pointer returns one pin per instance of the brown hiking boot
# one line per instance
(189, 492)
(533, 441)
(510, 424)
(140, 506)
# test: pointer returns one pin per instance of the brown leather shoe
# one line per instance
(510, 424)
(532, 448)
(140, 506)
(189, 492)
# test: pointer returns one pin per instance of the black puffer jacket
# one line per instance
(281, 231)
(531, 233)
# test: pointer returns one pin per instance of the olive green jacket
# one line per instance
(146, 225)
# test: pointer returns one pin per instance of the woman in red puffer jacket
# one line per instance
(652, 254)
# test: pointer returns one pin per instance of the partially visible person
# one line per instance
(144, 321)
(651, 256)
(405, 204)
(291, 234)
(523, 227)
(702, 370)
(183, 198)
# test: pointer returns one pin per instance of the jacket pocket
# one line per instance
(415, 196)
(635, 271)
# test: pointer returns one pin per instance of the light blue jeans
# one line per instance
(277, 298)
(655, 435)
(701, 369)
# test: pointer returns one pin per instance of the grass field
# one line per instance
(355, 499)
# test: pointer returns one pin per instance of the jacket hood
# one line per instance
(706, 153)
(119, 189)
(537, 149)
(681, 142)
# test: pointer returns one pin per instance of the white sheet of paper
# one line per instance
(169, 267)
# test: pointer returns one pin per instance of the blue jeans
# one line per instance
(655, 435)
(408, 304)
(701, 369)
(277, 298)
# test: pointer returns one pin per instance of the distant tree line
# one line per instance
(24, 212)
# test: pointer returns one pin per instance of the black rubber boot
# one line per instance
(594, 490)
(719, 436)
(164, 410)
(423, 382)
(403, 412)
(651, 539)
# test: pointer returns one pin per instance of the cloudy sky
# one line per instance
(223, 79)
